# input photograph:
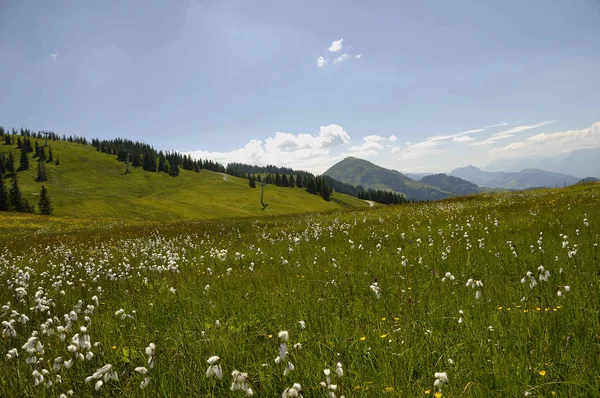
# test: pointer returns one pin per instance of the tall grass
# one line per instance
(228, 287)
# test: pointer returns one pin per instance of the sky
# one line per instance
(412, 86)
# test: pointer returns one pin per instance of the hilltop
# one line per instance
(359, 172)
(91, 184)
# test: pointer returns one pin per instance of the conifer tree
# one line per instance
(41, 154)
(50, 156)
(41, 172)
(57, 162)
(3, 196)
(24, 162)
(44, 203)
(15, 198)
(10, 164)
(291, 181)
(252, 182)
(8, 139)
(174, 169)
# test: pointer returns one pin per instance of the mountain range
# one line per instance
(524, 179)
(362, 173)
(580, 163)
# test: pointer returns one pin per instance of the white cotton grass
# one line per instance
(328, 385)
(214, 368)
(376, 289)
(240, 383)
(293, 392)
(441, 378)
(475, 284)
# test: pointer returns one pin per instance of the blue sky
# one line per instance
(409, 85)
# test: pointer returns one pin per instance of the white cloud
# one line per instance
(312, 152)
(53, 56)
(336, 46)
(502, 135)
(392, 138)
(464, 138)
(321, 62)
(496, 125)
(341, 58)
(551, 144)
(359, 56)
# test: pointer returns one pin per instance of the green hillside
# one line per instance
(455, 185)
(91, 184)
(357, 172)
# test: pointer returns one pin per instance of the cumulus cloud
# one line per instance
(392, 138)
(551, 144)
(336, 46)
(321, 62)
(359, 56)
(53, 56)
(341, 58)
(311, 152)
(502, 135)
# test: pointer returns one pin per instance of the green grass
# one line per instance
(90, 184)
(265, 275)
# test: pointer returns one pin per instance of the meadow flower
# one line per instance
(284, 335)
(214, 368)
(150, 351)
(290, 367)
(292, 392)
(441, 378)
(461, 319)
(302, 325)
(38, 378)
(12, 354)
(240, 382)
(339, 370)
(375, 288)
(8, 328)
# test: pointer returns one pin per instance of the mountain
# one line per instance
(417, 176)
(360, 172)
(524, 179)
(456, 186)
(580, 163)
(90, 184)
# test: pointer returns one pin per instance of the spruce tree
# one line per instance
(252, 182)
(50, 157)
(325, 192)
(10, 164)
(41, 172)
(15, 198)
(174, 170)
(3, 196)
(42, 154)
(57, 162)
(24, 162)
(44, 203)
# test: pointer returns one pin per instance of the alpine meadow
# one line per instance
(315, 199)
(488, 295)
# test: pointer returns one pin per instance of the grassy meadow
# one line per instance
(491, 295)
(91, 184)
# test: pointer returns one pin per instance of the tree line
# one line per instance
(315, 185)
(11, 197)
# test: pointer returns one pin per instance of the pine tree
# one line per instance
(41, 172)
(24, 162)
(10, 164)
(291, 181)
(252, 182)
(42, 154)
(325, 192)
(44, 203)
(284, 181)
(8, 139)
(174, 170)
(57, 162)
(3, 196)
(37, 150)
(15, 198)
(19, 143)
(50, 157)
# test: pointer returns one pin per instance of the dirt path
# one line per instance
(370, 202)
(224, 176)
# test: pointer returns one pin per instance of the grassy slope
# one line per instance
(88, 183)
(539, 343)
(361, 172)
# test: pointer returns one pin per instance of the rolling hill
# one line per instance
(457, 186)
(91, 184)
(359, 172)
(524, 179)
